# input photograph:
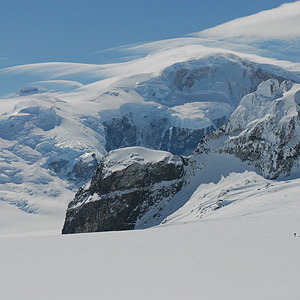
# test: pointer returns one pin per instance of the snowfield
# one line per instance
(244, 250)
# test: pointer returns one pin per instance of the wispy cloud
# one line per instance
(56, 69)
(279, 24)
(58, 84)
(282, 22)
(160, 55)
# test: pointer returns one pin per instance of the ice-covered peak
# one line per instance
(223, 78)
(297, 101)
(269, 130)
(286, 85)
(269, 88)
(258, 105)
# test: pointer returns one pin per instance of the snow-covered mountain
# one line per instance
(52, 142)
(197, 141)
(269, 137)
(262, 134)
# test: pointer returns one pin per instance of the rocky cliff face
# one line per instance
(126, 185)
(272, 149)
(264, 130)
(160, 135)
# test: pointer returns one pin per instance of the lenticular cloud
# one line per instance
(279, 23)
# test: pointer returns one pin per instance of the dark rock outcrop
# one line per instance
(83, 170)
(120, 133)
(125, 186)
(265, 130)
(272, 147)
(160, 135)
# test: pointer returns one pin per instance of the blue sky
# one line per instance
(78, 30)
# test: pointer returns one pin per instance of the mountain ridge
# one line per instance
(273, 152)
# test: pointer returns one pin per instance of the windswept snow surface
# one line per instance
(244, 250)
(243, 194)
(121, 158)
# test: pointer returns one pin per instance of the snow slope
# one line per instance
(245, 250)
(245, 194)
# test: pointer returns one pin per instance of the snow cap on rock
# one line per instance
(269, 88)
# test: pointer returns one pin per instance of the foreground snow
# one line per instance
(244, 250)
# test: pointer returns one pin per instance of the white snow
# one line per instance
(119, 159)
(246, 194)
(297, 100)
(269, 100)
(196, 115)
(245, 250)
